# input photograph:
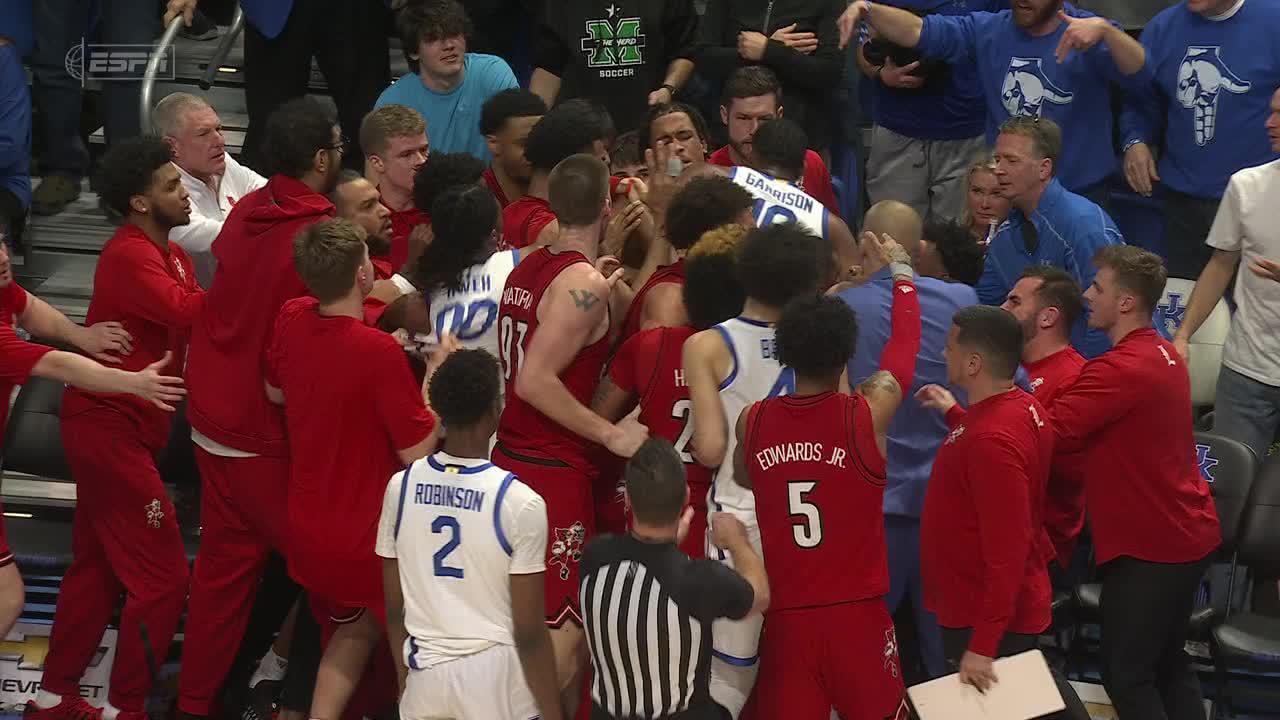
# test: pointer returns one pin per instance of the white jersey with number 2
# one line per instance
(460, 528)
(780, 202)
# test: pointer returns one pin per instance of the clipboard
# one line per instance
(1025, 690)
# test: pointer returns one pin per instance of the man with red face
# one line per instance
(394, 138)
(213, 179)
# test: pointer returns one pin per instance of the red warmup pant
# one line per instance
(125, 539)
(242, 516)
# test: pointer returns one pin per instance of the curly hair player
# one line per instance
(649, 369)
(728, 367)
(827, 619)
(463, 544)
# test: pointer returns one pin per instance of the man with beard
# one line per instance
(213, 179)
(505, 123)
(239, 435)
(126, 538)
(1040, 59)
(357, 200)
(394, 139)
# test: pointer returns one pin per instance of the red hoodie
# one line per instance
(255, 277)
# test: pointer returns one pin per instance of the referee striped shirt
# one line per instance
(648, 610)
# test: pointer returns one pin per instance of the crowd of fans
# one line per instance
(476, 359)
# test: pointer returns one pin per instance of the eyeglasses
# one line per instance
(343, 143)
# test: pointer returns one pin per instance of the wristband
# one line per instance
(669, 88)
(1130, 144)
(901, 269)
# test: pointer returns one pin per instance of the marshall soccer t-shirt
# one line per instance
(614, 51)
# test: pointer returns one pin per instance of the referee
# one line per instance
(648, 608)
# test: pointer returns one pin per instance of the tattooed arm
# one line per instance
(571, 316)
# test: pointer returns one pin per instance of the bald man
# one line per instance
(213, 179)
(916, 433)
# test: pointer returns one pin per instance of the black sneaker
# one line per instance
(202, 28)
(264, 701)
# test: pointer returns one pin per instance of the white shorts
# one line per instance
(736, 641)
(488, 685)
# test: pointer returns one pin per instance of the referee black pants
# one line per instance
(1146, 613)
(955, 641)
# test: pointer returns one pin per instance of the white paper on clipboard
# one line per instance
(1024, 690)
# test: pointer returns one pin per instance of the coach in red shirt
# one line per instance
(753, 95)
(1046, 300)
(355, 416)
(126, 540)
(980, 533)
(1153, 521)
(239, 435)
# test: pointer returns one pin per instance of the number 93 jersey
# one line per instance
(780, 202)
(818, 480)
(470, 313)
(459, 528)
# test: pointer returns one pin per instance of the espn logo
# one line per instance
(119, 62)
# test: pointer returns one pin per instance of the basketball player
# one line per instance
(464, 545)
(648, 369)
(126, 540)
(1046, 300)
(981, 536)
(777, 157)
(505, 122)
(322, 356)
(727, 368)
(241, 447)
(554, 329)
(462, 273)
(356, 199)
(815, 462)
(571, 127)
(394, 139)
(705, 204)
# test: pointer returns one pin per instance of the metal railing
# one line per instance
(145, 105)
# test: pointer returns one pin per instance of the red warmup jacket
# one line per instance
(1128, 418)
(255, 277)
(981, 538)
(154, 295)
(816, 181)
(402, 224)
(1064, 498)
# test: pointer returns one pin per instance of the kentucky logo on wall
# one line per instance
(614, 44)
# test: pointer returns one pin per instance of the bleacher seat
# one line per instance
(33, 440)
(1247, 641)
(1206, 345)
(1230, 467)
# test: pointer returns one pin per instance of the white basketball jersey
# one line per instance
(460, 527)
(755, 375)
(471, 313)
(778, 202)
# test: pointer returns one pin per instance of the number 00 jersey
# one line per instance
(780, 202)
(471, 312)
(460, 527)
(522, 427)
(818, 480)
(755, 375)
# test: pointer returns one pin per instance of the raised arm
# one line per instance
(898, 26)
(571, 313)
(1083, 34)
(885, 388)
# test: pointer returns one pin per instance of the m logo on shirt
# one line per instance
(1201, 77)
(612, 43)
(1026, 89)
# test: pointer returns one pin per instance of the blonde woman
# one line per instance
(985, 208)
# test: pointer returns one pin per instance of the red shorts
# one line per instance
(843, 656)
(570, 523)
